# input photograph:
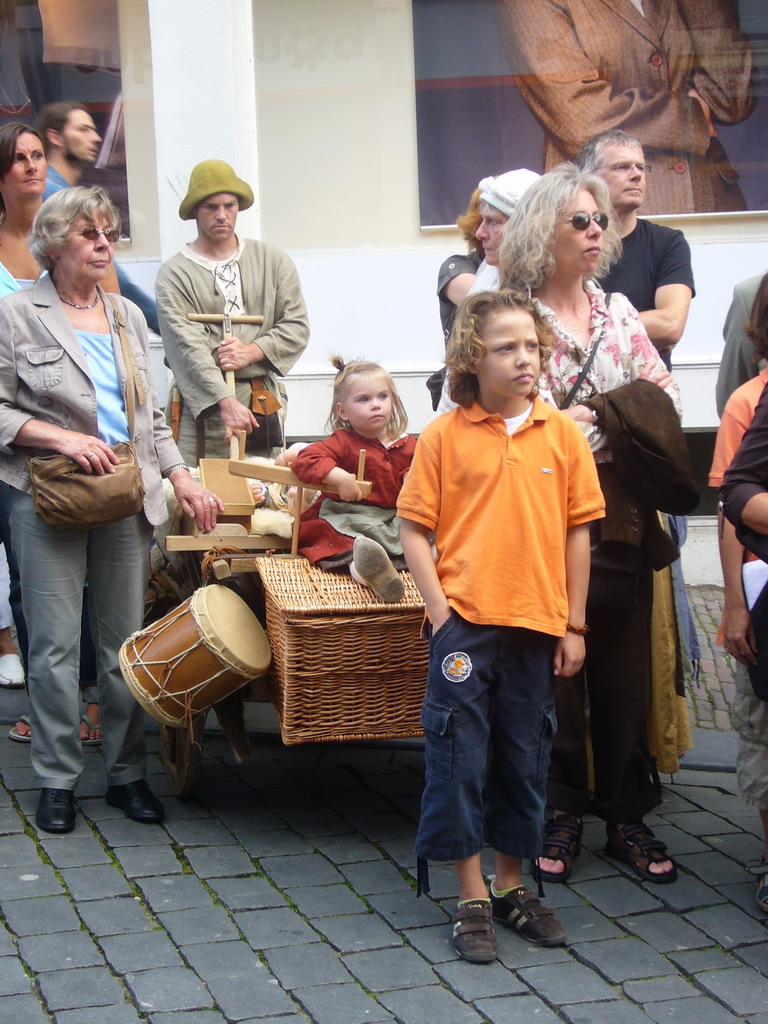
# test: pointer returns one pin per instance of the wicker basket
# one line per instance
(346, 666)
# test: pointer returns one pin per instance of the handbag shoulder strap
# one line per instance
(132, 371)
(586, 367)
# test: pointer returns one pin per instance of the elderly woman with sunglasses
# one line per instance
(63, 384)
(561, 237)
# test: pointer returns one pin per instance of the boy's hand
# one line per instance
(439, 616)
(569, 655)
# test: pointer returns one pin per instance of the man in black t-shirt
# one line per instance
(654, 271)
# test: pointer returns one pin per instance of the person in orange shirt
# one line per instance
(508, 486)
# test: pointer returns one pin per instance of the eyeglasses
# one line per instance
(625, 168)
(581, 220)
(111, 235)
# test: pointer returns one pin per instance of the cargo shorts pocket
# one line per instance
(548, 729)
(438, 749)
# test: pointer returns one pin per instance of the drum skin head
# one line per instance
(231, 630)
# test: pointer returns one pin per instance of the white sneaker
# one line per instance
(11, 671)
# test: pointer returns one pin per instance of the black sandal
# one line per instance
(562, 842)
(636, 845)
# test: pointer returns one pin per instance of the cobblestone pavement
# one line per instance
(283, 891)
(710, 699)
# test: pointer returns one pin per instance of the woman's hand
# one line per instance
(657, 373)
(580, 413)
(195, 500)
(93, 455)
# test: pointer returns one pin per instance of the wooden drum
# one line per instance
(194, 656)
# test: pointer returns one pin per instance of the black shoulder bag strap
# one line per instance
(585, 368)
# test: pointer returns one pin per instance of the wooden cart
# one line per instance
(346, 666)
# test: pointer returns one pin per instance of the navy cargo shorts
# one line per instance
(490, 691)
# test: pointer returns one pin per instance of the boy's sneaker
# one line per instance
(520, 909)
(473, 935)
(760, 868)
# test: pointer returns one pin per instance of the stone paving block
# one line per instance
(589, 865)
(79, 987)
(95, 882)
(24, 1009)
(707, 960)
(215, 862)
(403, 910)
(659, 990)
(398, 784)
(138, 862)
(317, 820)
(310, 869)
(378, 827)
(174, 892)
(41, 916)
(139, 951)
(74, 851)
(168, 988)
(713, 868)
(308, 965)
(687, 893)
(123, 831)
(347, 849)
(584, 924)
(120, 1013)
(434, 943)
(22, 883)
(198, 924)
(57, 952)
(624, 959)
(349, 804)
(491, 980)
(273, 843)
(742, 895)
(327, 779)
(357, 933)
(427, 1005)
(326, 901)
(115, 916)
(728, 925)
(665, 932)
(7, 945)
(17, 851)
(679, 842)
(517, 1010)
(604, 1013)
(239, 982)
(516, 953)
(266, 929)
(570, 983)
(700, 1010)
(13, 978)
(200, 832)
(10, 821)
(374, 876)
(342, 1004)
(381, 970)
(195, 1017)
(742, 846)
(247, 893)
(701, 823)
(743, 989)
(402, 852)
(616, 896)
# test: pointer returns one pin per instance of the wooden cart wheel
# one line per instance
(182, 753)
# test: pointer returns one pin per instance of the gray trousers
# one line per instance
(54, 566)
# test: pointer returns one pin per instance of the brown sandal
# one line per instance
(636, 845)
(562, 841)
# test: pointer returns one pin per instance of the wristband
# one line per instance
(579, 630)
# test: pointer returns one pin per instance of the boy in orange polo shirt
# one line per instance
(508, 486)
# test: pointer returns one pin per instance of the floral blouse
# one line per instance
(625, 349)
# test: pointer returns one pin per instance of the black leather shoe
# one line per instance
(56, 810)
(138, 801)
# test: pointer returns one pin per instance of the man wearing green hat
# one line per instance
(221, 273)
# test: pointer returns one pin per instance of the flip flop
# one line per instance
(91, 727)
(17, 737)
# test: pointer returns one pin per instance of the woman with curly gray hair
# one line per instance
(561, 237)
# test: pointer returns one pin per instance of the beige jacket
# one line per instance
(44, 376)
(587, 66)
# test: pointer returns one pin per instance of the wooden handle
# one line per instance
(361, 465)
(218, 318)
(284, 475)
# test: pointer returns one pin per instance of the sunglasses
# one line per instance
(92, 234)
(581, 220)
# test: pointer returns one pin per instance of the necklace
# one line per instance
(74, 305)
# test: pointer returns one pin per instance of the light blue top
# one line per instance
(8, 283)
(110, 407)
(54, 183)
